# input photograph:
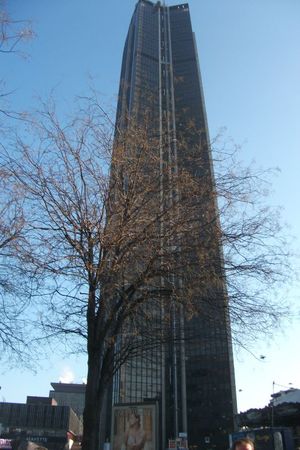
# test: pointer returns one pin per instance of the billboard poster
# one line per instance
(134, 427)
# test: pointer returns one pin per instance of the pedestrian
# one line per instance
(243, 444)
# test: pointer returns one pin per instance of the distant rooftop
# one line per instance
(69, 387)
(161, 3)
(292, 395)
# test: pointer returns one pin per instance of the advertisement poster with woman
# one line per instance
(134, 427)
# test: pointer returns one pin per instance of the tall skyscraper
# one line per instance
(192, 377)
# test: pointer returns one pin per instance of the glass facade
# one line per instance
(192, 377)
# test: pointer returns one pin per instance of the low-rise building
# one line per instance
(69, 394)
(39, 420)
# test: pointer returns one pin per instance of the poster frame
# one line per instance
(153, 406)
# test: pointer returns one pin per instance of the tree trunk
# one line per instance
(93, 404)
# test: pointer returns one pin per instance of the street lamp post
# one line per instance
(272, 411)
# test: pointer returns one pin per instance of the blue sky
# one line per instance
(249, 52)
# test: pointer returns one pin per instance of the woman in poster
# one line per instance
(135, 437)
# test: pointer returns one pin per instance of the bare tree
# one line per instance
(108, 226)
(257, 252)
(14, 287)
(12, 31)
(12, 34)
